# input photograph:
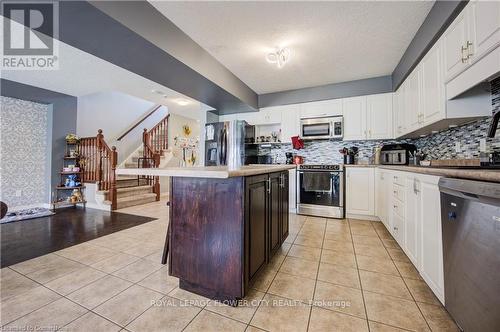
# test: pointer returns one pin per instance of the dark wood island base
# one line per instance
(223, 231)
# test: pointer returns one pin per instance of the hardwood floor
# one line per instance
(28, 239)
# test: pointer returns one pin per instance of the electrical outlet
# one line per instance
(458, 148)
(19, 193)
(482, 145)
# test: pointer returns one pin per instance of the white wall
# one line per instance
(114, 113)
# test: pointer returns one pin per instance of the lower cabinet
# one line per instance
(266, 219)
(360, 191)
(414, 220)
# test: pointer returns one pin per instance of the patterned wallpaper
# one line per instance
(24, 178)
(436, 146)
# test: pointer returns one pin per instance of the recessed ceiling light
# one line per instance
(181, 101)
(158, 92)
(280, 57)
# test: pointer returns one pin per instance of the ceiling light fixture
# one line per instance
(280, 57)
(182, 102)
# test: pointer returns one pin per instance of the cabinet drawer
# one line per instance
(398, 207)
(398, 179)
(398, 229)
(398, 192)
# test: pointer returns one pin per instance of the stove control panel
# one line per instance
(320, 167)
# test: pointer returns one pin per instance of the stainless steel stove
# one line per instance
(320, 190)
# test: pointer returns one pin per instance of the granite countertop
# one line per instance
(220, 172)
(491, 175)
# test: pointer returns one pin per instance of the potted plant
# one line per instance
(72, 139)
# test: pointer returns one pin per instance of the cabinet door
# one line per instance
(321, 108)
(399, 110)
(354, 118)
(379, 116)
(412, 101)
(433, 101)
(412, 219)
(256, 216)
(381, 196)
(431, 249)
(284, 205)
(290, 122)
(360, 190)
(275, 211)
(454, 38)
(485, 26)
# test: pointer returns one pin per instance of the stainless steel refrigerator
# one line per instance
(225, 143)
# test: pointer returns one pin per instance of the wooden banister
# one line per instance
(155, 142)
(98, 162)
(139, 122)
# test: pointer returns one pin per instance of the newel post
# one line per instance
(144, 142)
(100, 140)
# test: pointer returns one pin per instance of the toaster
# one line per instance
(396, 154)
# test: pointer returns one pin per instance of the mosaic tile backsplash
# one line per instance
(436, 146)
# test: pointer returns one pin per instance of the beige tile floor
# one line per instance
(330, 275)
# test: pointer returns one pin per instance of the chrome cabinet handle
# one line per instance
(469, 49)
(464, 58)
(269, 185)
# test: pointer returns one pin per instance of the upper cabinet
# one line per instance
(290, 121)
(485, 26)
(474, 34)
(413, 110)
(322, 108)
(432, 87)
(379, 116)
(455, 45)
(368, 117)
(354, 118)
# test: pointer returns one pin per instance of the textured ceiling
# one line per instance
(330, 41)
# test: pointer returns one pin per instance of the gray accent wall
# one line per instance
(63, 115)
(368, 86)
(85, 27)
(436, 22)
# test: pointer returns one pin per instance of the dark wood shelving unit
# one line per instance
(56, 199)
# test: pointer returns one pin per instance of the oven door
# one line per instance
(320, 188)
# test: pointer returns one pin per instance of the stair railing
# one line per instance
(98, 162)
(155, 142)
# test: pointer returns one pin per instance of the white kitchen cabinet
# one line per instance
(323, 108)
(455, 45)
(412, 218)
(354, 118)
(268, 116)
(382, 190)
(360, 191)
(484, 26)
(432, 97)
(379, 116)
(290, 122)
(431, 248)
(412, 101)
(399, 111)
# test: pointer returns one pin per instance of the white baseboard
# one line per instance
(362, 217)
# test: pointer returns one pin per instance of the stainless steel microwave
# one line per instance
(322, 128)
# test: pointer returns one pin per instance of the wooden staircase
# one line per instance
(100, 162)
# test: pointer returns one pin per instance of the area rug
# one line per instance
(26, 214)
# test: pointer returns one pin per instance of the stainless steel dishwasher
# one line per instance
(470, 219)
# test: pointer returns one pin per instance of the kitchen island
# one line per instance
(224, 225)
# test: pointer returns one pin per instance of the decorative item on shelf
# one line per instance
(73, 153)
(72, 139)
